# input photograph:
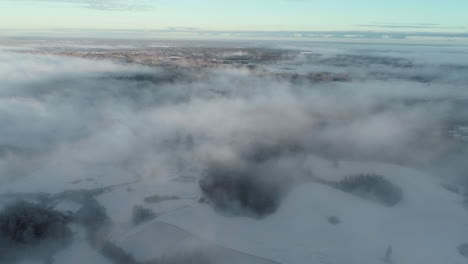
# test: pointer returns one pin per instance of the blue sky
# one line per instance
(429, 16)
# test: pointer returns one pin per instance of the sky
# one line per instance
(428, 16)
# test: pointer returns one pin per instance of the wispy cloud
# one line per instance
(408, 25)
(107, 5)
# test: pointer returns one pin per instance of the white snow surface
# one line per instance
(80, 251)
(426, 227)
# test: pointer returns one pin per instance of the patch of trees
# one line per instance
(372, 187)
(243, 190)
(32, 230)
(29, 223)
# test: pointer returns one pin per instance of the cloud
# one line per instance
(229, 112)
(408, 26)
(107, 5)
(183, 29)
(62, 118)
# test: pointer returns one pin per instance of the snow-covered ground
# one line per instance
(426, 227)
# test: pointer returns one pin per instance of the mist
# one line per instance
(310, 115)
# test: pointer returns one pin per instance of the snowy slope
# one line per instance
(425, 228)
(80, 251)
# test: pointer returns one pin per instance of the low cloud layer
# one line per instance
(382, 34)
(64, 118)
(162, 149)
